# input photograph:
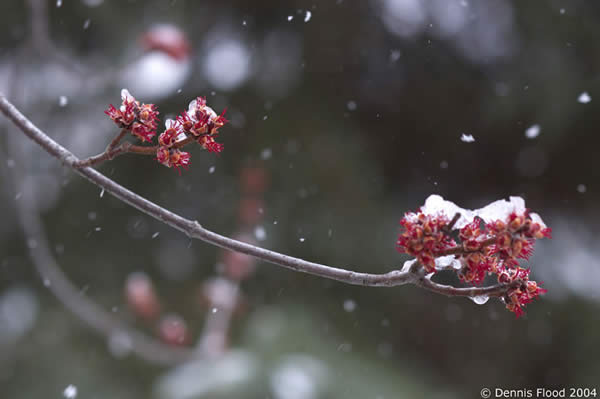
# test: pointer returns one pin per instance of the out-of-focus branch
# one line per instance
(39, 26)
(194, 230)
(145, 347)
(40, 37)
(70, 296)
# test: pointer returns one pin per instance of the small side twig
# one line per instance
(113, 150)
(116, 140)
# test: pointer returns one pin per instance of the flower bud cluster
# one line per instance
(203, 123)
(200, 123)
(424, 238)
(483, 249)
(139, 119)
(525, 291)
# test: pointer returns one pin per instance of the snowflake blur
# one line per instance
(491, 240)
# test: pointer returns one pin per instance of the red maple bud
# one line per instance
(524, 293)
(141, 296)
(208, 143)
(471, 245)
(521, 296)
(492, 240)
(172, 133)
(503, 240)
(427, 260)
(535, 230)
(497, 226)
(168, 137)
(424, 237)
(201, 119)
(142, 131)
(163, 156)
(148, 115)
(476, 266)
(504, 277)
(471, 230)
(186, 122)
(515, 222)
(522, 248)
(139, 119)
(180, 159)
(217, 122)
(173, 330)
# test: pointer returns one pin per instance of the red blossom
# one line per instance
(208, 143)
(471, 230)
(143, 132)
(186, 122)
(148, 115)
(424, 237)
(201, 119)
(171, 134)
(173, 158)
(140, 120)
(492, 248)
(517, 298)
(200, 122)
(180, 159)
(163, 156)
(476, 266)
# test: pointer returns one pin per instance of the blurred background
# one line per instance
(344, 115)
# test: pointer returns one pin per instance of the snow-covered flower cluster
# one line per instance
(139, 119)
(200, 123)
(482, 242)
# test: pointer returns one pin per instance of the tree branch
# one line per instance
(194, 230)
(112, 150)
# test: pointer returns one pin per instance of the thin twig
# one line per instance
(113, 151)
(498, 290)
(116, 140)
(194, 230)
(447, 228)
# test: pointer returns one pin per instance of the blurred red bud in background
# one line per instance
(141, 296)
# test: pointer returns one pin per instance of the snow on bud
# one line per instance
(140, 120)
(492, 239)
(199, 122)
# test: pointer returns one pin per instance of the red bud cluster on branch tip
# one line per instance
(491, 241)
(139, 119)
(199, 123)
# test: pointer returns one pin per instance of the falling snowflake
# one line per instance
(584, 98)
(533, 131)
(70, 392)
(467, 138)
